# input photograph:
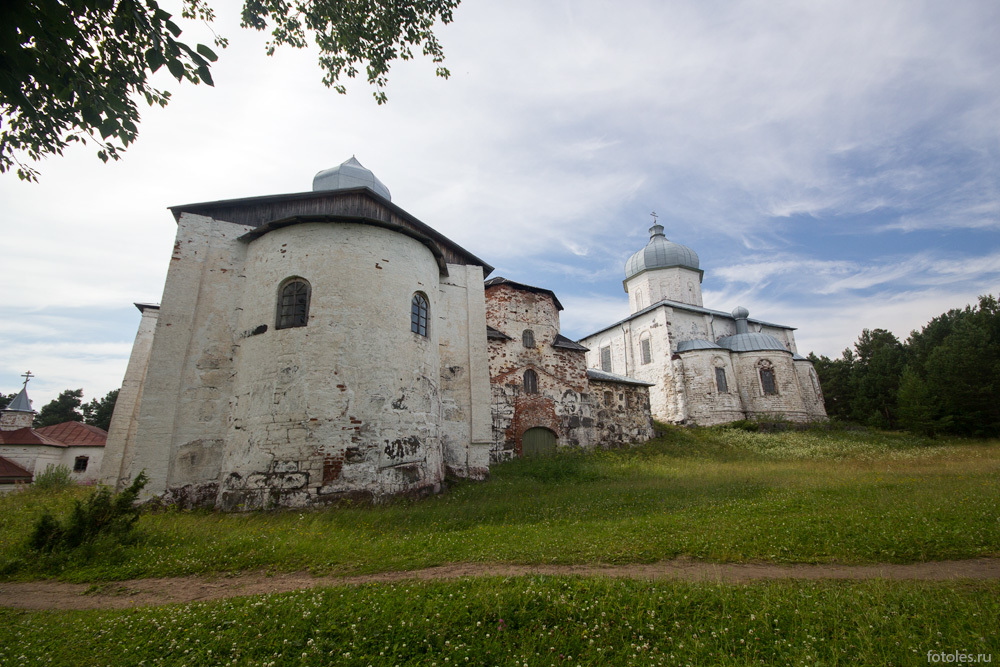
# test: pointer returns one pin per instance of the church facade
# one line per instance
(327, 345)
(705, 366)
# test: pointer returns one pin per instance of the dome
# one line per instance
(350, 174)
(660, 253)
(752, 342)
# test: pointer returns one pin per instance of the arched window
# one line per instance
(609, 399)
(645, 349)
(528, 338)
(767, 382)
(530, 382)
(418, 314)
(720, 380)
(293, 304)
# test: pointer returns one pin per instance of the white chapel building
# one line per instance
(706, 366)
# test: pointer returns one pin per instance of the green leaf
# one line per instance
(155, 59)
(207, 52)
(176, 68)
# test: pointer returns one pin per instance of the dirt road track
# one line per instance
(141, 592)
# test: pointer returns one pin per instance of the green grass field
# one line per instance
(708, 494)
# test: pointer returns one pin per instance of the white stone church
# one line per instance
(706, 366)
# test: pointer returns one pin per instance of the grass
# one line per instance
(714, 494)
(711, 494)
(528, 621)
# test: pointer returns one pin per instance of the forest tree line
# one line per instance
(944, 379)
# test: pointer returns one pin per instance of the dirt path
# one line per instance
(140, 592)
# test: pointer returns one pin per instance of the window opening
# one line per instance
(645, 351)
(720, 380)
(767, 382)
(606, 358)
(528, 338)
(609, 399)
(293, 305)
(80, 465)
(418, 314)
(530, 382)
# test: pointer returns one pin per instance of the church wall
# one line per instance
(675, 284)
(810, 390)
(349, 405)
(188, 384)
(465, 383)
(120, 448)
(561, 403)
(787, 403)
(621, 413)
(705, 403)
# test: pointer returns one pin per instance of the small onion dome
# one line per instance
(697, 344)
(740, 313)
(350, 174)
(660, 253)
(752, 342)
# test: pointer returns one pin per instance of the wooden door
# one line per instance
(538, 442)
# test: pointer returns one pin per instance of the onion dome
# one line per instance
(660, 253)
(350, 174)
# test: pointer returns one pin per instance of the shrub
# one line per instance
(54, 477)
(102, 514)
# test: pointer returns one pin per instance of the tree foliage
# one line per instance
(72, 70)
(944, 379)
(98, 411)
(102, 515)
(5, 399)
(64, 408)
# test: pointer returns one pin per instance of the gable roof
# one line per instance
(75, 434)
(494, 282)
(27, 436)
(11, 472)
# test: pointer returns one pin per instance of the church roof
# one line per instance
(27, 436)
(677, 305)
(20, 402)
(350, 174)
(604, 376)
(11, 472)
(660, 253)
(361, 205)
(567, 344)
(752, 342)
(696, 344)
(75, 433)
(493, 282)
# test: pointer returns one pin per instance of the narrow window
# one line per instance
(530, 382)
(720, 380)
(80, 465)
(767, 382)
(638, 300)
(606, 358)
(644, 349)
(293, 305)
(528, 338)
(418, 314)
(609, 399)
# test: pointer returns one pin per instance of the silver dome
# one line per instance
(350, 174)
(660, 253)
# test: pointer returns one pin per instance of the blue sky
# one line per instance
(836, 165)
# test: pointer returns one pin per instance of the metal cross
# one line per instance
(27, 376)
(654, 217)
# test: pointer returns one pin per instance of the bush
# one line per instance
(54, 477)
(102, 514)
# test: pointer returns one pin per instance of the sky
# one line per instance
(835, 164)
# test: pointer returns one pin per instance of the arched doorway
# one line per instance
(538, 441)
